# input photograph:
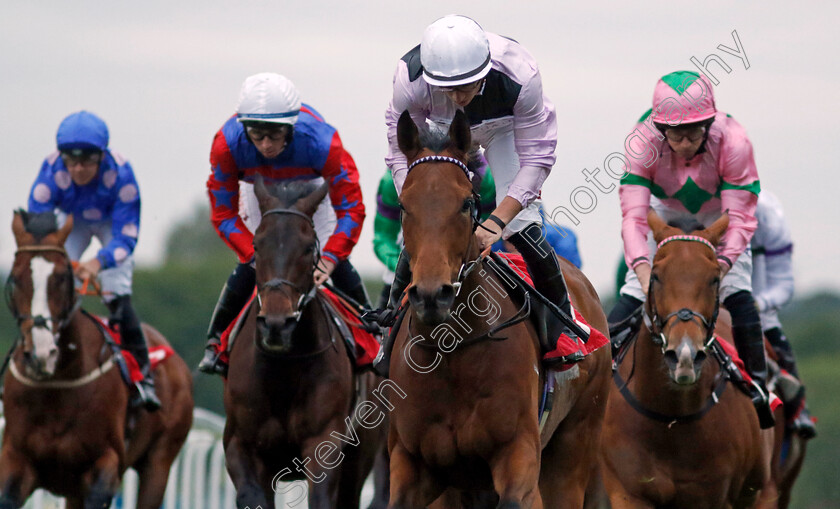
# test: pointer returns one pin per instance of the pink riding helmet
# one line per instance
(683, 97)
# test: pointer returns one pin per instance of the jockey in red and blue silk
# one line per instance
(97, 187)
(276, 136)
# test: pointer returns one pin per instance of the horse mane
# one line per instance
(687, 224)
(39, 224)
(289, 192)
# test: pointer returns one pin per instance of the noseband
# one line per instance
(277, 283)
(39, 320)
(657, 324)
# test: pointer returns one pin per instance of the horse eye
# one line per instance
(715, 281)
(654, 277)
(468, 204)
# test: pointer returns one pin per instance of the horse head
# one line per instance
(683, 296)
(286, 251)
(40, 290)
(438, 214)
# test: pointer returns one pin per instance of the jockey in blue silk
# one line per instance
(276, 136)
(97, 186)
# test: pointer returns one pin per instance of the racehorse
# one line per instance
(291, 384)
(674, 437)
(67, 425)
(469, 421)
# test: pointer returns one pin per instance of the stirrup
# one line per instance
(212, 363)
(384, 317)
(761, 402)
(803, 425)
(144, 395)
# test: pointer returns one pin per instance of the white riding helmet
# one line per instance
(454, 51)
(268, 97)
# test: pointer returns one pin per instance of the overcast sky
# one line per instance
(166, 75)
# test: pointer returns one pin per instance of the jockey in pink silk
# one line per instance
(691, 162)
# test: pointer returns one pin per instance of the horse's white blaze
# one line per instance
(685, 362)
(42, 339)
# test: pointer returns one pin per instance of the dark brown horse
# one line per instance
(689, 441)
(291, 385)
(469, 421)
(67, 425)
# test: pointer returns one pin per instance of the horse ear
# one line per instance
(65, 230)
(264, 197)
(459, 132)
(408, 136)
(714, 232)
(309, 203)
(657, 225)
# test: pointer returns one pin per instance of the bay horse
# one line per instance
(291, 384)
(68, 429)
(685, 441)
(469, 421)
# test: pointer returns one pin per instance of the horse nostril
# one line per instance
(671, 359)
(699, 359)
(445, 296)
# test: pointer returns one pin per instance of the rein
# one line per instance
(306, 296)
(656, 325)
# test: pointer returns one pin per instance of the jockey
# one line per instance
(274, 135)
(497, 83)
(387, 238)
(772, 280)
(97, 186)
(688, 160)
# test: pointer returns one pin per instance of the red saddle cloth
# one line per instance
(729, 348)
(366, 346)
(565, 345)
(157, 354)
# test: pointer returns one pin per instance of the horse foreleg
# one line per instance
(516, 469)
(103, 481)
(381, 479)
(246, 471)
(154, 475)
(412, 484)
(17, 480)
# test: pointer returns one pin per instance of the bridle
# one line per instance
(656, 324)
(278, 283)
(467, 266)
(39, 320)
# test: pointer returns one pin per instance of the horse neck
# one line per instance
(80, 346)
(652, 385)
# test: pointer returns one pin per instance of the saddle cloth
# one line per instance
(127, 363)
(729, 348)
(362, 346)
(567, 351)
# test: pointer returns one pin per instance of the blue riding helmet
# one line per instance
(83, 131)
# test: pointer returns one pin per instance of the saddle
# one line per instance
(362, 346)
(129, 369)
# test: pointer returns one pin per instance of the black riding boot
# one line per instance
(387, 316)
(235, 294)
(749, 341)
(548, 279)
(624, 320)
(347, 280)
(803, 424)
(542, 265)
(133, 340)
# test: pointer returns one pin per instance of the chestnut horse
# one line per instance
(469, 421)
(291, 384)
(685, 441)
(67, 425)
